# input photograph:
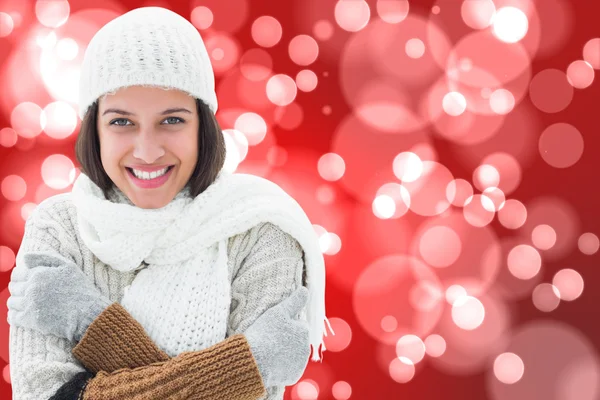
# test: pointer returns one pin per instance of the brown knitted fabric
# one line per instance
(225, 371)
(115, 340)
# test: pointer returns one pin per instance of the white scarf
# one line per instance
(123, 235)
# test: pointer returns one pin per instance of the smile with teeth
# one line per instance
(149, 175)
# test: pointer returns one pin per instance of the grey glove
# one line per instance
(51, 294)
(279, 341)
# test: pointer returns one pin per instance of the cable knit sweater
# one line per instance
(40, 364)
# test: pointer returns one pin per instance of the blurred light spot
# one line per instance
(323, 30)
(256, 65)
(26, 210)
(266, 31)
(13, 187)
(331, 167)
(325, 194)
(569, 284)
(454, 103)
(342, 338)
(46, 41)
(402, 371)
(303, 50)
(61, 120)
(425, 296)
(6, 373)
(407, 166)
(428, 192)
(224, 52)
(415, 48)
(545, 297)
(253, 126)
(389, 323)
(508, 368)
(52, 13)
(458, 192)
(478, 14)
(478, 211)
(306, 80)
(440, 246)
(550, 91)
(502, 101)
(67, 49)
(289, 117)
(435, 345)
(392, 200)
(580, 74)
(524, 261)
(341, 390)
(508, 168)
(237, 146)
(307, 389)
(493, 199)
(561, 145)
(281, 90)
(326, 110)
(7, 259)
(435, 10)
(393, 11)
(58, 171)
(352, 15)
(543, 237)
(27, 119)
(334, 244)
(202, 17)
(486, 176)
(425, 151)
(277, 156)
(410, 347)
(510, 24)
(455, 292)
(468, 313)
(513, 215)
(591, 52)
(588, 243)
(384, 207)
(8, 137)
(6, 24)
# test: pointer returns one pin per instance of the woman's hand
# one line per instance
(279, 341)
(51, 295)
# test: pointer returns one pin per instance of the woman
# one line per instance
(161, 273)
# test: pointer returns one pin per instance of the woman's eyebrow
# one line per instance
(167, 111)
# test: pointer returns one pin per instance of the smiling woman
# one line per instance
(147, 143)
(161, 274)
(147, 129)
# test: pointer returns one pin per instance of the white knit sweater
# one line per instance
(40, 364)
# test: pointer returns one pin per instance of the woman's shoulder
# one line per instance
(58, 209)
(264, 240)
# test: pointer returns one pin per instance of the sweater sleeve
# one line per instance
(270, 267)
(40, 364)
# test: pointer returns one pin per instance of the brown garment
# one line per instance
(116, 340)
(117, 346)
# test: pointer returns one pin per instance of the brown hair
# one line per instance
(211, 151)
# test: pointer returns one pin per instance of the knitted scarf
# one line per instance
(190, 234)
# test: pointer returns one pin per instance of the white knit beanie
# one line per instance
(150, 46)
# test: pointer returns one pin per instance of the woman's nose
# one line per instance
(148, 148)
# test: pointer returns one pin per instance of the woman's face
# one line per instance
(148, 129)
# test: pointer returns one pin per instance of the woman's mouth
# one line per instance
(145, 181)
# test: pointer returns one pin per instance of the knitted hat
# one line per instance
(149, 46)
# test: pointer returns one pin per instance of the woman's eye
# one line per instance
(176, 119)
(113, 122)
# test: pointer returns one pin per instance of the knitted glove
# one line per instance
(53, 296)
(279, 341)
